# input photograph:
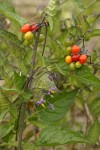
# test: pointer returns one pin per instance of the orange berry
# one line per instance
(68, 59)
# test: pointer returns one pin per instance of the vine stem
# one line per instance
(28, 85)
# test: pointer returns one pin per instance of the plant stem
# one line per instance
(28, 85)
(22, 125)
(88, 116)
(45, 39)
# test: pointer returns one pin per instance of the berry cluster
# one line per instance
(28, 31)
(75, 58)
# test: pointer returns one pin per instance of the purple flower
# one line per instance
(49, 93)
(51, 90)
(40, 102)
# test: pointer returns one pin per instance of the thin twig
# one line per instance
(45, 39)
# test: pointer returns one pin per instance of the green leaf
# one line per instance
(62, 103)
(58, 136)
(19, 80)
(4, 103)
(51, 22)
(9, 90)
(2, 115)
(79, 3)
(85, 24)
(95, 107)
(42, 81)
(10, 13)
(52, 8)
(94, 56)
(26, 94)
(6, 129)
(92, 19)
(95, 32)
(94, 132)
(82, 75)
(25, 63)
(97, 61)
(13, 43)
(29, 146)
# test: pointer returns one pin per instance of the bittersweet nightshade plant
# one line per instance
(50, 78)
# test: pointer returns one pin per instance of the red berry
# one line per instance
(83, 58)
(75, 58)
(34, 27)
(75, 49)
(26, 28)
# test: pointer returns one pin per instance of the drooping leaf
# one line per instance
(82, 75)
(62, 103)
(7, 10)
(58, 136)
(94, 132)
(52, 8)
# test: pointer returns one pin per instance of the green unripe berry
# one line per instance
(72, 66)
(28, 36)
(68, 51)
(27, 43)
(68, 43)
(78, 64)
(91, 68)
(42, 37)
